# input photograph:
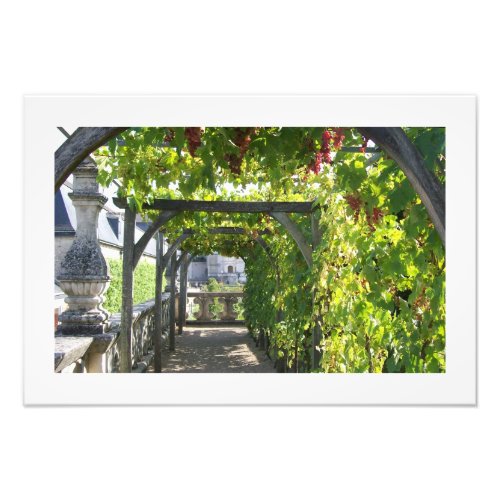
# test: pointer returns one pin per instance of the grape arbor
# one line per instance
(355, 285)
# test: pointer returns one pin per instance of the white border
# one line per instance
(44, 113)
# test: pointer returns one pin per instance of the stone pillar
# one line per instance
(84, 272)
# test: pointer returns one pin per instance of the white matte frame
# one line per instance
(42, 116)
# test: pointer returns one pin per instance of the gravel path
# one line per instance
(215, 350)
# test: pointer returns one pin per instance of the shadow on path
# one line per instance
(215, 350)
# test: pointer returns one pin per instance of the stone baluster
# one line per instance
(84, 272)
(229, 313)
(203, 313)
(189, 307)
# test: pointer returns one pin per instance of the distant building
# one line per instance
(229, 270)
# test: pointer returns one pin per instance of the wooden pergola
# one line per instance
(392, 140)
(170, 208)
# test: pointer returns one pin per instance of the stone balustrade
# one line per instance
(206, 299)
(99, 353)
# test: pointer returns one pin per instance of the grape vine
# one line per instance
(377, 284)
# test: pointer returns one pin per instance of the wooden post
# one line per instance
(171, 319)
(183, 291)
(125, 340)
(316, 329)
(158, 297)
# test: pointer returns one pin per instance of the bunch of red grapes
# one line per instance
(338, 138)
(242, 136)
(363, 146)
(315, 164)
(355, 203)
(372, 218)
(331, 136)
(169, 135)
(193, 136)
(325, 150)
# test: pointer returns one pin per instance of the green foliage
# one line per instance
(212, 286)
(216, 307)
(113, 295)
(236, 287)
(377, 284)
(144, 284)
(240, 310)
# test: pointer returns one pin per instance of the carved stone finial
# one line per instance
(84, 272)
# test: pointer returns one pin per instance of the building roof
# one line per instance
(110, 223)
(62, 224)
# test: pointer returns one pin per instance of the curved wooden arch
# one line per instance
(295, 232)
(393, 140)
(173, 248)
(140, 246)
(82, 142)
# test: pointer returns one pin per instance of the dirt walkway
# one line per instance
(210, 350)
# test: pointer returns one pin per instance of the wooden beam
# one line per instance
(316, 328)
(316, 231)
(173, 248)
(225, 206)
(84, 141)
(226, 230)
(140, 246)
(158, 303)
(395, 142)
(125, 338)
(295, 232)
